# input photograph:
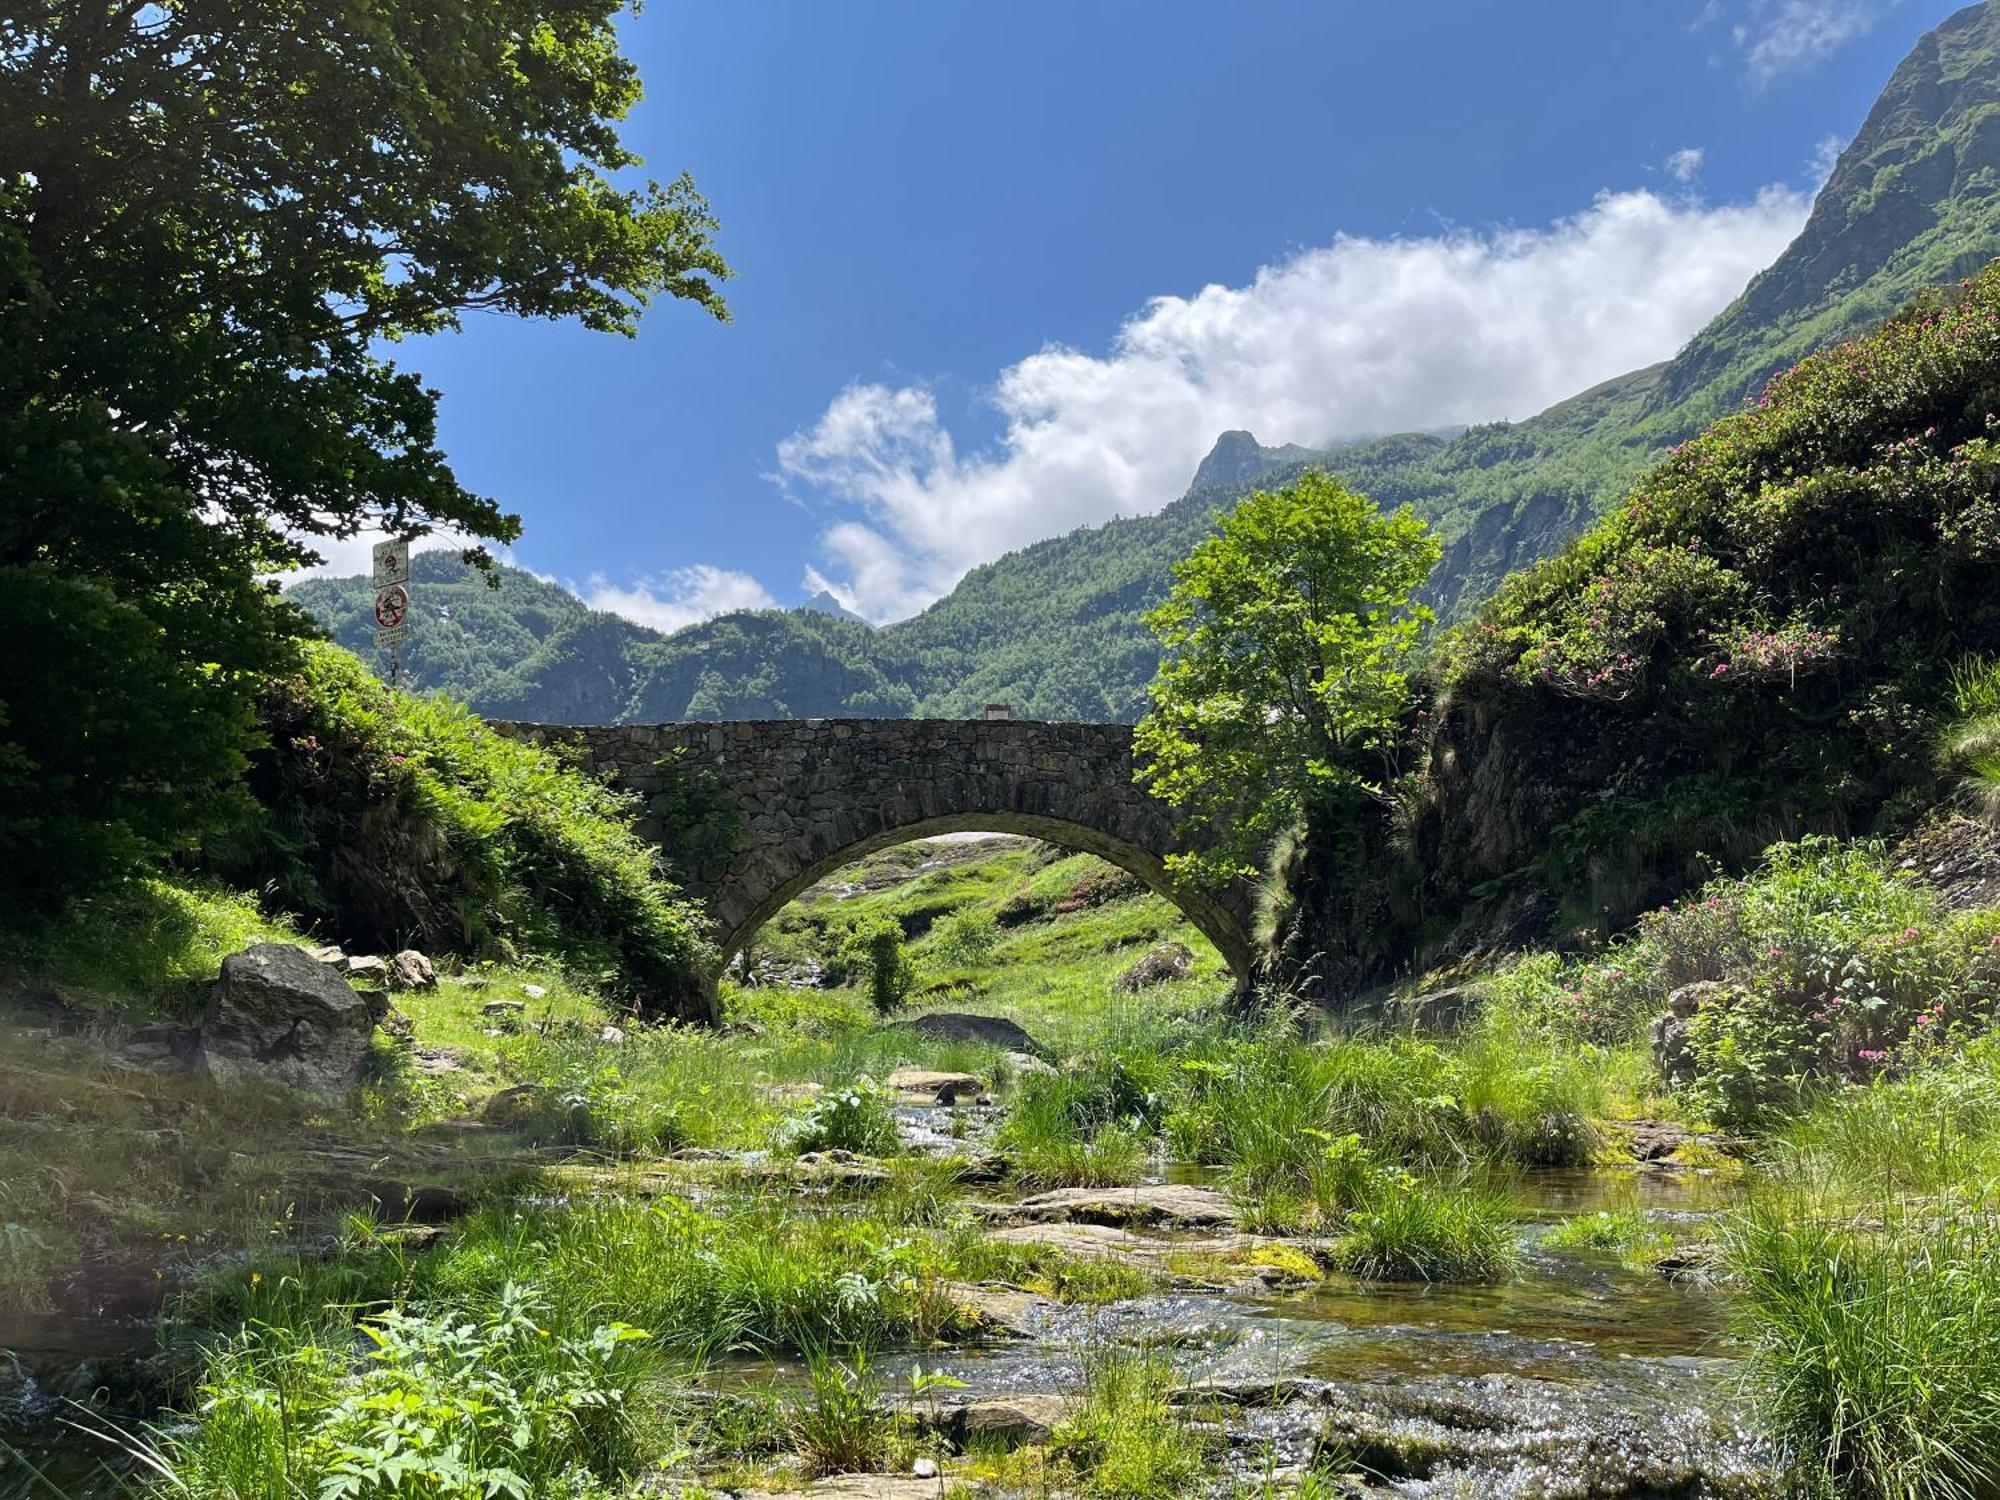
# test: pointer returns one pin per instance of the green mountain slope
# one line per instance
(1054, 629)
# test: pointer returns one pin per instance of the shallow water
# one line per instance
(1635, 1351)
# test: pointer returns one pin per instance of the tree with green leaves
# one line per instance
(217, 218)
(1283, 673)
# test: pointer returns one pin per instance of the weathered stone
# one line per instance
(958, 1026)
(928, 1086)
(865, 1487)
(516, 1105)
(1167, 962)
(1165, 1205)
(330, 954)
(278, 1013)
(1001, 1310)
(410, 970)
(801, 798)
(1669, 1032)
(1025, 1065)
(535, 991)
(369, 968)
(612, 1036)
(503, 1007)
(1006, 1421)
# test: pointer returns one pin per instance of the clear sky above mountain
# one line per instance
(953, 224)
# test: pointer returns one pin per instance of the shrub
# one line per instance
(845, 1428)
(401, 819)
(874, 947)
(966, 937)
(1970, 745)
(451, 1407)
(1625, 1233)
(854, 1118)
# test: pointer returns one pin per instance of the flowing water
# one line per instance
(1576, 1376)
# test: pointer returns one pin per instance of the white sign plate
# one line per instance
(392, 563)
(394, 637)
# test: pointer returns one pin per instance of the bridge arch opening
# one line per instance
(738, 930)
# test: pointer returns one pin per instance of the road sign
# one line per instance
(392, 604)
(392, 563)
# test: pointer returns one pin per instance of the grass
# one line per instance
(1872, 1345)
(1622, 1234)
(1411, 1230)
(1122, 1440)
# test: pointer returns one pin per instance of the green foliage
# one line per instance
(1826, 963)
(1970, 744)
(845, 1428)
(1284, 646)
(1406, 1229)
(874, 947)
(855, 1118)
(144, 944)
(442, 1406)
(1871, 1349)
(1623, 1233)
(1750, 613)
(1123, 1440)
(193, 391)
(966, 936)
(405, 820)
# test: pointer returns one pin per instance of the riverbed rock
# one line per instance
(410, 970)
(1168, 962)
(1004, 1311)
(278, 1013)
(959, 1026)
(867, 1487)
(1160, 1205)
(1005, 1421)
(503, 1007)
(928, 1086)
(1026, 1065)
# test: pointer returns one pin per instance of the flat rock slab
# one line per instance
(960, 1026)
(928, 1086)
(869, 1487)
(1164, 1205)
(1003, 1310)
(1005, 1421)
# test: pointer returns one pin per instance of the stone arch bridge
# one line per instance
(759, 811)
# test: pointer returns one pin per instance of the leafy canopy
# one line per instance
(215, 217)
(1284, 646)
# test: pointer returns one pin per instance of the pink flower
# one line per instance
(1870, 1056)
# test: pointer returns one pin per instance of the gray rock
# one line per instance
(927, 1086)
(1027, 1066)
(278, 1013)
(1668, 1033)
(1006, 1421)
(958, 1026)
(1163, 1205)
(410, 970)
(1165, 963)
(503, 1007)
(368, 967)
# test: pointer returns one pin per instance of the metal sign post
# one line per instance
(392, 601)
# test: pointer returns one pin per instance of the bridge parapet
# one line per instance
(758, 811)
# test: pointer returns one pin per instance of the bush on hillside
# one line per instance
(1756, 644)
(1823, 964)
(397, 820)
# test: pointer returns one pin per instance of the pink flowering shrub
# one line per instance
(1825, 963)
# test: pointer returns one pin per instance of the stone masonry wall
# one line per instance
(757, 812)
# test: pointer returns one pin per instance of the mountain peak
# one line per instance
(1237, 458)
(823, 603)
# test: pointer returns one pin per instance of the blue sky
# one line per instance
(953, 224)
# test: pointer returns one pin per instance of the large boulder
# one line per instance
(959, 1026)
(279, 1013)
(1669, 1032)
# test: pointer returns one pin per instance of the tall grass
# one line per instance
(1970, 744)
(1122, 1440)
(1873, 1346)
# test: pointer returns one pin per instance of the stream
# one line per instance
(1575, 1377)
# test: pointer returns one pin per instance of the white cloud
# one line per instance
(685, 596)
(1788, 36)
(1826, 155)
(1362, 336)
(1684, 165)
(343, 557)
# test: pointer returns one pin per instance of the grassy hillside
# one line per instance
(1054, 629)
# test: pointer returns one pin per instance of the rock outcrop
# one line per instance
(280, 1014)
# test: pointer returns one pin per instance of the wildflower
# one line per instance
(1867, 1056)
